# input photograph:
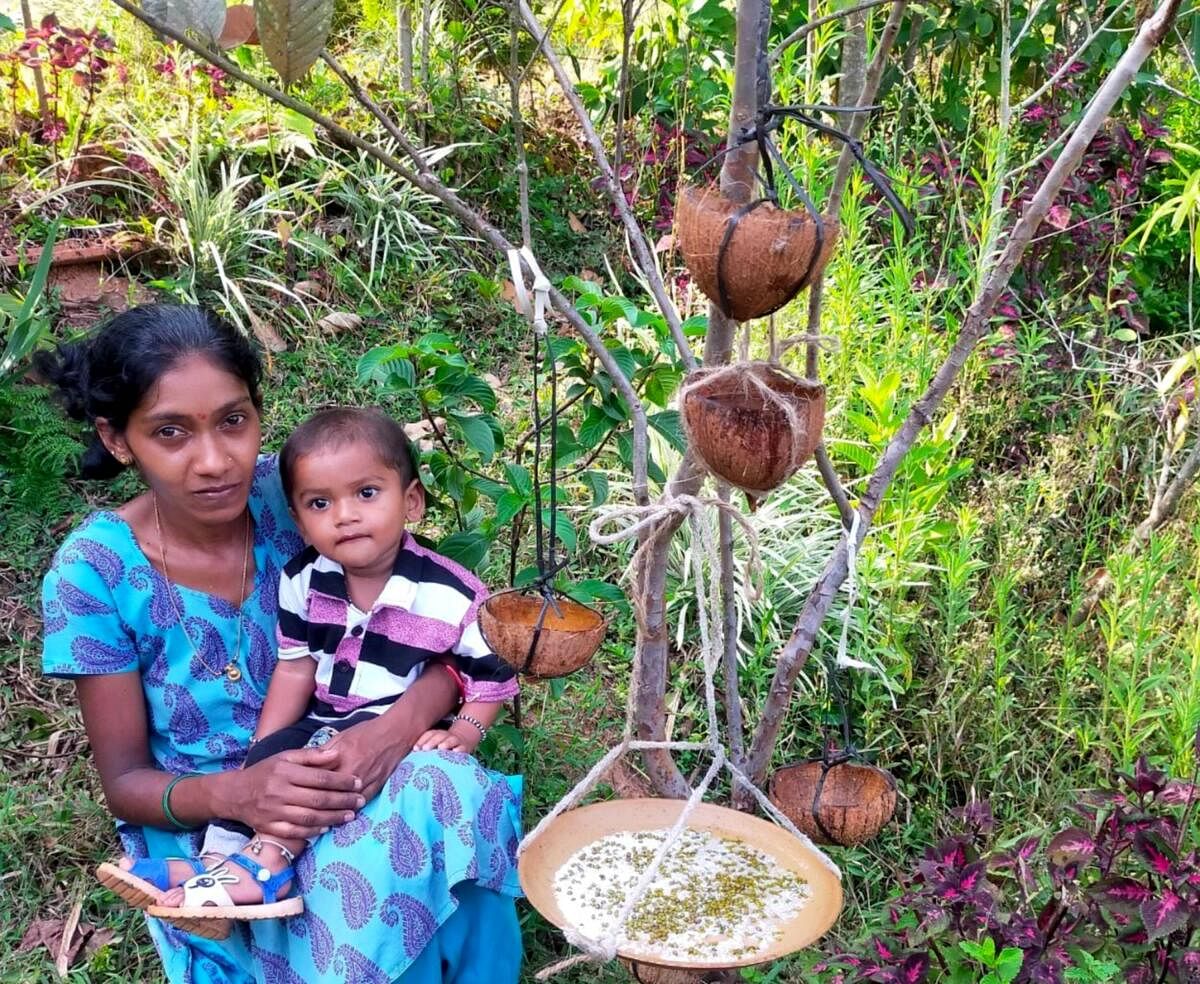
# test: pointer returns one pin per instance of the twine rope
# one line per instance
(705, 559)
(745, 377)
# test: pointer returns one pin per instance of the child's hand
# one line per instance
(453, 740)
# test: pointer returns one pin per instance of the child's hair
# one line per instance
(343, 425)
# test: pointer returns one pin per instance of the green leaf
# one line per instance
(387, 365)
(468, 548)
(452, 380)
(593, 590)
(1008, 964)
(695, 326)
(493, 490)
(292, 34)
(670, 425)
(588, 290)
(203, 18)
(508, 506)
(614, 308)
(595, 427)
(477, 432)
(596, 483)
(300, 124)
(7, 23)
(623, 358)
(1125, 335)
(519, 478)
(562, 527)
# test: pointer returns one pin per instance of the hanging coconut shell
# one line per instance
(770, 256)
(508, 621)
(753, 424)
(843, 804)
(240, 27)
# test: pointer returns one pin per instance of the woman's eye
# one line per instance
(236, 419)
(318, 504)
(169, 431)
(368, 492)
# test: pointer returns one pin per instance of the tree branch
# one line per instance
(424, 179)
(858, 122)
(641, 248)
(1065, 67)
(836, 492)
(974, 326)
(805, 29)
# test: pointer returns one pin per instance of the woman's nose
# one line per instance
(211, 456)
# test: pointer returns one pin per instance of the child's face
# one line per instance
(353, 507)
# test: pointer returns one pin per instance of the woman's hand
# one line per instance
(371, 751)
(295, 794)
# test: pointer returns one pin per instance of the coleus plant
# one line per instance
(1114, 897)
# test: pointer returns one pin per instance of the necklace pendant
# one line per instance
(232, 672)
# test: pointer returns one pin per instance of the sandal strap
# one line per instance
(156, 872)
(263, 878)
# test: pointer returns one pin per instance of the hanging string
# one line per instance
(705, 556)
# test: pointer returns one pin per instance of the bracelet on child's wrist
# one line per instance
(477, 725)
(166, 801)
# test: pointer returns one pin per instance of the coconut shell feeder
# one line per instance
(538, 637)
(751, 258)
(754, 424)
(539, 631)
(750, 261)
(843, 803)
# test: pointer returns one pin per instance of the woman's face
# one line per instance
(195, 438)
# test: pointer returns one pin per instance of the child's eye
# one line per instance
(368, 492)
(317, 504)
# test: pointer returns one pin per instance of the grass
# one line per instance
(1024, 488)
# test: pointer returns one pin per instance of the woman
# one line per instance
(163, 613)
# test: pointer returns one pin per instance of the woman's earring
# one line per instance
(125, 460)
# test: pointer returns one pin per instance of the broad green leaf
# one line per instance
(1008, 964)
(468, 548)
(301, 124)
(594, 590)
(695, 326)
(203, 18)
(669, 425)
(519, 478)
(596, 483)
(453, 381)
(508, 506)
(7, 23)
(624, 359)
(493, 490)
(615, 308)
(587, 289)
(595, 427)
(292, 34)
(379, 364)
(562, 528)
(477, 433)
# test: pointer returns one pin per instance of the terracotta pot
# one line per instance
(849, 807)
(747, 436)
(507, 621)
(770, 257)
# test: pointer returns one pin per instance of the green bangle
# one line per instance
(166, 801)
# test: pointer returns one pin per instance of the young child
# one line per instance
(362, 611)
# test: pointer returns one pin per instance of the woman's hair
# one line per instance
(109, 373)
(346, 425)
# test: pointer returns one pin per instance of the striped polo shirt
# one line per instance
(366, 660)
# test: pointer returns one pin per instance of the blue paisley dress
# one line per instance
(418, 888)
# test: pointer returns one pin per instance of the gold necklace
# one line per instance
(230, 669)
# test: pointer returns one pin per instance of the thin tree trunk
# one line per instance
(854, 64)
(974, 326)
(39, 83)
(404, 41)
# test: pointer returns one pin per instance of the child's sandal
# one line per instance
(142, 885)
(208, 910)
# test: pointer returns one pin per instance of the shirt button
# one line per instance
(357, 630)
(342, 665)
